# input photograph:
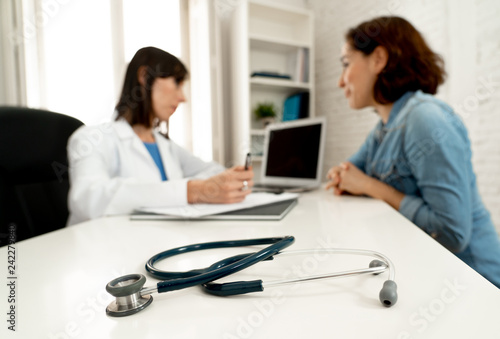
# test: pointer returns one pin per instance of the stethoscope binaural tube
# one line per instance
(131, 297)
(387, 296)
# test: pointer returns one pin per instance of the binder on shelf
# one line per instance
(270, 75)
(305, 68)
(296, 106)
(302, 65)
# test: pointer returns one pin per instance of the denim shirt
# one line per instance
(424, 152)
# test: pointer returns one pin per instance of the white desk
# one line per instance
(62, 277)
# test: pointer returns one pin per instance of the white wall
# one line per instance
(465, 32)
(3, 50)
(3, 98)
(10, 84)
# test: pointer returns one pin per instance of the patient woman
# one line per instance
(120, 166)
(418, 156)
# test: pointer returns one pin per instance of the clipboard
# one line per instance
(274, 211)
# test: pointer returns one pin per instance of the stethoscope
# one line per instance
(132, 297)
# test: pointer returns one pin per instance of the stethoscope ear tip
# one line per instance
(389, 293)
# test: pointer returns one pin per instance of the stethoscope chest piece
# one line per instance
(127, 291)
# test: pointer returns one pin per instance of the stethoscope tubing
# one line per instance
(178, 280)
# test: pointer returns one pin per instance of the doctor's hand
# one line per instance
(348, 178)
(228, 187)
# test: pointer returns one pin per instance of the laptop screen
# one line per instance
(293, 152)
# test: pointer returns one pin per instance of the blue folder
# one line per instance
(296, 106)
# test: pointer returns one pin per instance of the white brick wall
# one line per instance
(465, 32)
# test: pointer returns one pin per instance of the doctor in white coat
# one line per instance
(119, 166)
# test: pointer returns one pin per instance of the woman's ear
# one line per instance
(379, 58)
(141, 75)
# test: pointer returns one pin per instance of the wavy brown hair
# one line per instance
(135, 104)
(411, 64)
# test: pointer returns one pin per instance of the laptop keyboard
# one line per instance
(274, 187)
(280, 189)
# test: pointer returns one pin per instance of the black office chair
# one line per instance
(33, 171)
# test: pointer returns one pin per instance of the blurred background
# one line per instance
(69, 56)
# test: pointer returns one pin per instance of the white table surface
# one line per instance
(61, 279)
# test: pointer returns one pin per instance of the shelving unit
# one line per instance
(267, 37)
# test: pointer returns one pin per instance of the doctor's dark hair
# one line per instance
(411, 64)
(135, 104)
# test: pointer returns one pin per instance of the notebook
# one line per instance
(293, 156)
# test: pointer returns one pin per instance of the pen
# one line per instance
(248, 161)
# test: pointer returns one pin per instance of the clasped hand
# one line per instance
(347, 178)
(228, 187)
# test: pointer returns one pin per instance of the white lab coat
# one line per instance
(111, 172)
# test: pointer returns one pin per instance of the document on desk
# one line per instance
(201, 210)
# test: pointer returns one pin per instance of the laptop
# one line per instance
(293, 156)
